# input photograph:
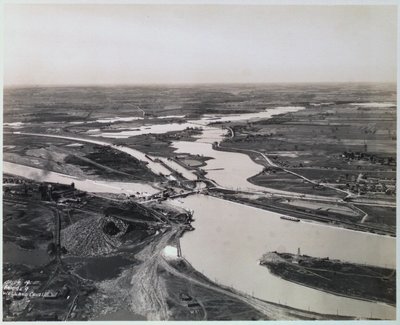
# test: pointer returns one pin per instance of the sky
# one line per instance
(179, 44)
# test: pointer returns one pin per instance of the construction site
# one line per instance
(132, 217)
(71, 255)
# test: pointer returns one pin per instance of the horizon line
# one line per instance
(188, 84)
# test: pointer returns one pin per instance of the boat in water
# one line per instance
(290, 218)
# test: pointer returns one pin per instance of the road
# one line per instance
(158, 167)
(278, 193)
(148, 291)
(270, 310)
(272, 164)
(72, 307)
(282, 193)
(151, 164)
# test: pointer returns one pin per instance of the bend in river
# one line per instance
(230, 238)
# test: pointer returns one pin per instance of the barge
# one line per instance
(290, 218)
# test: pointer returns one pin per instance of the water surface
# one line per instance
(230, 238)
(87, 185)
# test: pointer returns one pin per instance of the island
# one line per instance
(338, 277)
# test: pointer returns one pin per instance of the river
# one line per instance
(211, 247)
(231, 170)
(230, 238)
(151, 164)
(148, 128)
(228, 169)
(81, 184)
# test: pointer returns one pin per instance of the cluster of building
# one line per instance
(189, 131)
(46, 191)
(18, 182)
(349, 155)
(364, 184)
(13, 180)
(250, 137)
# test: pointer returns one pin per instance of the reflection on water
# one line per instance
(230, 238)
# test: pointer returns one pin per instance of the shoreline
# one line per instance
(268, 263)
(311, 220)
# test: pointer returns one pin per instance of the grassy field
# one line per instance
(288, 182)
(317, 142)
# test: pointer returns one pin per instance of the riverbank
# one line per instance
(334, 276)
(344, 149)
(236, 251)
(62, 242)
(229, 236)
(134, 188)
(204, 299)
(284, 206)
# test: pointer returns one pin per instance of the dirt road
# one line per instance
(272, 311)
(148, 291)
